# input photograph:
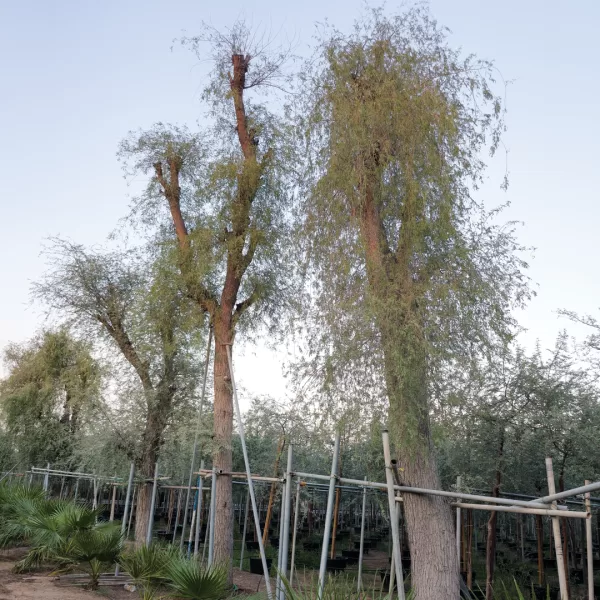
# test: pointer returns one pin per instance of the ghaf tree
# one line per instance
(224, 192)
(410, 273)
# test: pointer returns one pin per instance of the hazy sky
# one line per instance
(76, 76)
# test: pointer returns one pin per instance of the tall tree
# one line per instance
(132, 303)
(226, 203)
(52, 380)
(411, 273)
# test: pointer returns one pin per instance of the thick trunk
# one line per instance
(223, 427)
(144, 497)
(429, 520)
(430, 533)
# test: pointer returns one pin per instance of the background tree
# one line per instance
(131, 304)
(225, 198)
(411, 271)
(53, 382)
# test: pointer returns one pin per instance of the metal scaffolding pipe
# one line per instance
(547, 512)
(589, 548)
(213, 516)
(553, 497)
(362, 538)
(245, 529)
(389, 475)
(127, 507)
(195, 447)
(238, 415)
(287, 507)
(296, 512)
(560, 563)
(328, 515)
(152, 503)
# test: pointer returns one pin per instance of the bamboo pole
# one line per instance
(560, 564)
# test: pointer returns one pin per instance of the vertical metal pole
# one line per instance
(95, 491)
(195, 449)
(46, 478)
(213, 509)
(131, 510)
(127, 506)
(199, 513)
(588, 545)
(76, 489)
(560, 563)
(278, 586)
(362, 538)
(245, 529)
(389, 476)
(177, 511)
(295, 532)
(458, 523)
(238, 416)
(288, 514)
(328, 516)
(152, 502)
(113, 502)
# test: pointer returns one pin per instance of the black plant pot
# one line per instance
(576, 575)
(256, 565)
(336, 564)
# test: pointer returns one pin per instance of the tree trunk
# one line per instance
(222, 430)
(430, 534)
(429, 519)
(540, 548)
(490, 552)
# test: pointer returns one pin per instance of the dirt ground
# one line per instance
(41, 586)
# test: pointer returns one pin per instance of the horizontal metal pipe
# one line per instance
(204, 473)
(526, 511)
(414, 490)
(568, 493)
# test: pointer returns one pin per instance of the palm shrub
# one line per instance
(148, 566)
(63, 533)
(191, 581)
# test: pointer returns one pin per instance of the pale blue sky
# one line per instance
(76, 75)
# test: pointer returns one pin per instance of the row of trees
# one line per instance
(346, 206)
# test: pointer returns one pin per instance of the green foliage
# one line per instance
(148, 566)
(52, 386)
(192, 581)
(411, 273)
(59, 532)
